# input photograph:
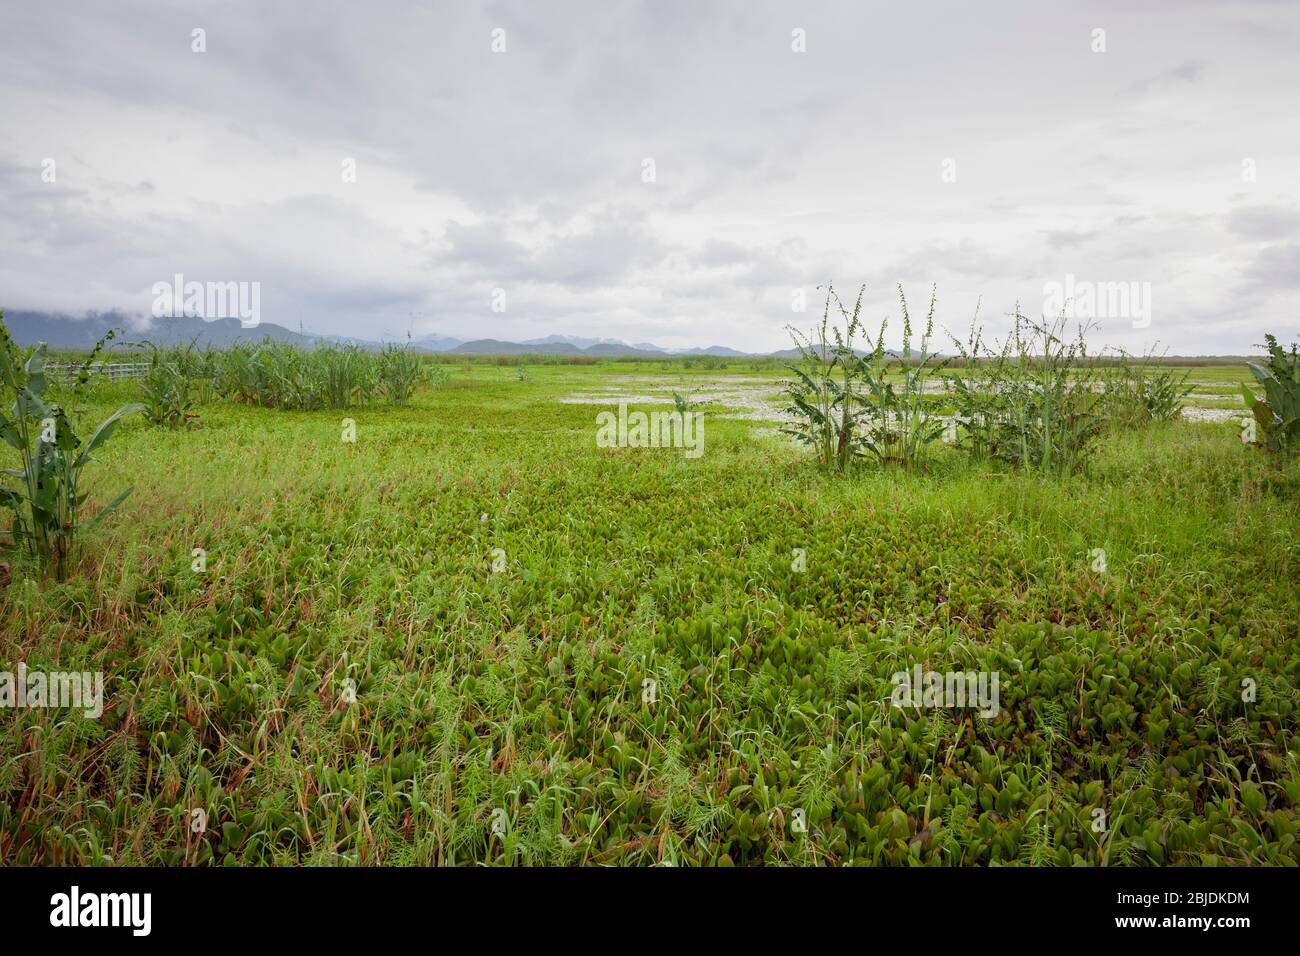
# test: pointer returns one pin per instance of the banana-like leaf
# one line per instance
(64, 437)
(35, 369)
(1262, 375)
(9, 430)
(30, 404)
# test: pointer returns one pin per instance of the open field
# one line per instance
(360, 676)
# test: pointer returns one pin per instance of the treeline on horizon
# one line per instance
(123, 356)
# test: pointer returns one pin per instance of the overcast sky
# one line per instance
(1171, 158)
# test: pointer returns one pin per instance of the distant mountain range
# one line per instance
(67, 332)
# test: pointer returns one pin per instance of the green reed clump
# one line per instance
(1035, 401)
(351, 373)
(439, 376)
(706, 362)
(913, 430)
(200, 367)
(302, 383)
(167, 389)
(277, 375)
(842, 400)
(1138, 393)
(286, 376)
(398, 373)
(523, 358)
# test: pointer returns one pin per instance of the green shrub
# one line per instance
(825, 394)
(842, 400)
(1137, 394)
(1277, 414)
(1034, 402)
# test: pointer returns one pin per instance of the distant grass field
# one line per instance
(1148, 712)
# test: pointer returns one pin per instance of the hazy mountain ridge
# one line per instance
(62, 331)
(65, 332)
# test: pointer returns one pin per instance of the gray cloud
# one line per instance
(1264, 222)
(1069, 238)
(774, 169)
(1276, 268)
(1187, 72)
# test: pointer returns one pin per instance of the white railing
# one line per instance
(116, 371)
